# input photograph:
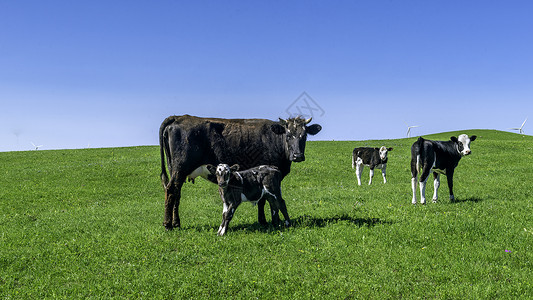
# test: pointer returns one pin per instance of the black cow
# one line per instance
(375, 158)
(441, 157)
(190, 143)
(255, 184)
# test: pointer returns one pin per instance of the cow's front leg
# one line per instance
(283, 208)
(227, 215)
(371, 175)
(436, 185)
(384, 173)
(449, 176)
(261, 212)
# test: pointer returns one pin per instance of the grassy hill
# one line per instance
(88, 223)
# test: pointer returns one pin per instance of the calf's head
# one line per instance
(462, 143)
(383, 152)
(223, 173)
(296, 131)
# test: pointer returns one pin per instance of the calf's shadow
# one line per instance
(301, 222)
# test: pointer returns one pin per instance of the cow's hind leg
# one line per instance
(172, 203)
(436, 185)
(414, 178)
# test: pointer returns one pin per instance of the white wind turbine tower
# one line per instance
(409, 129)
(520, 129)
(35, 146)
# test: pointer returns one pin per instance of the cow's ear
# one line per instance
(313, 129)
(390, 149)
(473, 138)
(277, 128)
(377, 148)
(454, 139)
(212, 169)
(235, 167)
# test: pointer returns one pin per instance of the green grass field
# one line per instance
(88, 224)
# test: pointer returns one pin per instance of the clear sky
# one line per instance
(75, 74)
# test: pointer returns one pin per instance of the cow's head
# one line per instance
(383, 152)
(223, 173)
(296, 131)
(462, 143)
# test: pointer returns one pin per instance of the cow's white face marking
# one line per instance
(223, 171)
(465, 141)
(383, 153)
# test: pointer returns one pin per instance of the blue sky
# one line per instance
(75, 74)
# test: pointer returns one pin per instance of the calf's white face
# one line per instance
(383, 152)
(463, 144)
(223, 171)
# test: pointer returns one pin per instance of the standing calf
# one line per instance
(441, 157)
(372, 157)
(263, 182)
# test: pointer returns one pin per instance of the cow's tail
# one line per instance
(417, 156)
(353, 160)
(164, 148)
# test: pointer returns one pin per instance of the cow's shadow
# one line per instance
(304, 221)
(471, 199)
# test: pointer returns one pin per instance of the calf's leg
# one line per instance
(436, 185)
(227, 215)
(358, 171)
(261, 212)
(414, 182)
(371, 175)
(384, 173)
(449, 176)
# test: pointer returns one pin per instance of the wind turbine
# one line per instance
(409, 129)
(520, 129)
(36, 147)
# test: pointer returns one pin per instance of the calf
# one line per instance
(441, 157)
(372, 157)
(263, 182)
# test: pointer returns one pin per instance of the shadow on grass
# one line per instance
(300, 222)
(471, 199)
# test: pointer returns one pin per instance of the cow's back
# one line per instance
(368, 155)
(196, 141)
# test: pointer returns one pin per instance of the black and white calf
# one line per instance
(441, 157)
(263, 182)
(375, 158)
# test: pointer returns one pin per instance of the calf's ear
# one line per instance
(277, 128)
(235, 167)
(473, 138)
(390, 149)
(313, 129)
(454, 139)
